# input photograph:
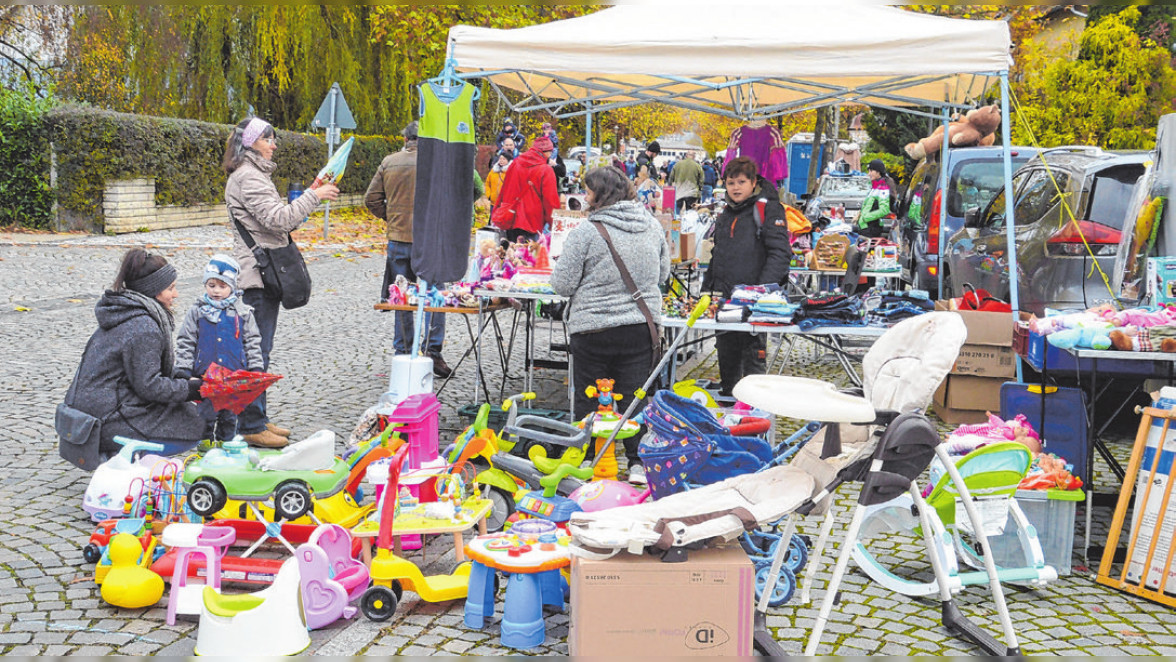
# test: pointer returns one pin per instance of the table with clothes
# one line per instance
(823, 320)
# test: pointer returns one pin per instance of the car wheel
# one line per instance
(291, 501)
(206, 497)
(504, 507)
(378, 603)
(91, 553)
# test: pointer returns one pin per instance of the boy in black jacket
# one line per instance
(751, 248)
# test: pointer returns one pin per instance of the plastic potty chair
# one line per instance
(269, 622)
(189, 540)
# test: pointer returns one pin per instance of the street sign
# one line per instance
(334, 116)
(334, 111)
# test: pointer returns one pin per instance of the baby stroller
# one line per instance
(880, 438)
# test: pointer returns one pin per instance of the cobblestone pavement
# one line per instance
(334, 354)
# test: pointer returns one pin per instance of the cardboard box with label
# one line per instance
(988, 350)
(639, 606)
(1161, 280)
(965, 399)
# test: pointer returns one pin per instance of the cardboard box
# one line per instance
(965, 398)
(1161, 280)
(688, 246)
(639, 606)
(988, 350)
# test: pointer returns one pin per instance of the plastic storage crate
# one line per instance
(1052, 513)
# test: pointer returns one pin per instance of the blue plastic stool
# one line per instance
(480, 602)
(522, 615)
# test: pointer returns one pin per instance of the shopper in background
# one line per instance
(876, 205)
(496, 177)
(529, 194)
(686, 178)
(648, 191)
(647, 157)
(509, 131)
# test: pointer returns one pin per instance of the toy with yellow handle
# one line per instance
(639, 395)
(507, 443)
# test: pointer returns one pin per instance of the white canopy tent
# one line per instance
(745, 61)
(748, 62)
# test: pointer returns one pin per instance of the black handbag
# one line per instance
(78, 433)
(283, 271)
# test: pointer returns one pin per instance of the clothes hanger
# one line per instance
(448, 86)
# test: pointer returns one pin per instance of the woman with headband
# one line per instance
(126, 375)
(253, 200)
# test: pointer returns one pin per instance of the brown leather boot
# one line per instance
(266, 439)
(281, 432)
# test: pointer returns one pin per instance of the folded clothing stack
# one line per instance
(889, 307)
(830, 310)
(773, 308)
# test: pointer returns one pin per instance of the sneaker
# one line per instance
(439, 368)
(637, 475)
(266, 439)
(281, 432)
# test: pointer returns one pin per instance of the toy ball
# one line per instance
(127, 585)
(604, 494)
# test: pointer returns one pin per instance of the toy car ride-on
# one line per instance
(292, 476)
(392, 574)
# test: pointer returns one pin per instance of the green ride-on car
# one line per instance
(233, 472)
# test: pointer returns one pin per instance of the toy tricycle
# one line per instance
(391, 574)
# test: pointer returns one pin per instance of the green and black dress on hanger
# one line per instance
(443, 208)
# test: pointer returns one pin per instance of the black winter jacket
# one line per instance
(745, 254)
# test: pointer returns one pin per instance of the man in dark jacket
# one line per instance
(646, 157)
(751, 248)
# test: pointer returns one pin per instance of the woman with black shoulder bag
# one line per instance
(611, 268)
(261, 222)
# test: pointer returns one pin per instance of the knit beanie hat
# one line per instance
(542, 144)
(223, 268)
(877, 166)
(654, 147)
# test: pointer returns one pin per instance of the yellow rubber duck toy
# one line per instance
(128, 585)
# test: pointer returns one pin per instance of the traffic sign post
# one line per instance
(334, 115)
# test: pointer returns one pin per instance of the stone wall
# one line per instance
(129, 206)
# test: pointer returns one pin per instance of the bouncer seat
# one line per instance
(268, 622)
(991, 474)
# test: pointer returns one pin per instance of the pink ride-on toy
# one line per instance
(329, 577)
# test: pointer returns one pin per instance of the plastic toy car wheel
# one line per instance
(378, 603)
(399, 590)
(91, 553)
(504, 507)
(206, 497)
(291, 501)
(782, 591)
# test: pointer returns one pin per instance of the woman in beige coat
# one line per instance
(253, 200)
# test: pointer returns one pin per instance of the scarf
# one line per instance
(166, 322)
(210, 309)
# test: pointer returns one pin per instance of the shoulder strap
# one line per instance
(245, 236)
(761, 208)
(629, 283)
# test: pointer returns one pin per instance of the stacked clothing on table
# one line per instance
(772, 308)
(889, 307)
(736, 308)
(830, 310)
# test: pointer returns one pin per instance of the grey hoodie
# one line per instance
(586, 272)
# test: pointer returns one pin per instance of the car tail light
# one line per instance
(933, 224)
(934, 271)
(1067, 241)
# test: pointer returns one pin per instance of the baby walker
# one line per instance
(391, 574)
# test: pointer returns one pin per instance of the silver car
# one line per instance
(844, 192)
(1063, 196)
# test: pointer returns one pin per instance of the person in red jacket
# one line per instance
(528, 193)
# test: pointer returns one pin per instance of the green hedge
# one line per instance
(184, 156)
(24, 161)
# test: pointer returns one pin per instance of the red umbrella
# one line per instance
(234, 389)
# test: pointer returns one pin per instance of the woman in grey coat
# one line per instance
(126, 375)
(253, 200)
(610, 336)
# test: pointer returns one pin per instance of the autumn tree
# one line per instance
(1111, 95)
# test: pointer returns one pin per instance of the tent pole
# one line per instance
(1010, 203)
(942, 197)
(588, 132)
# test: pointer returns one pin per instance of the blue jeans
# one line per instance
(400, 264)
(265, 313)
